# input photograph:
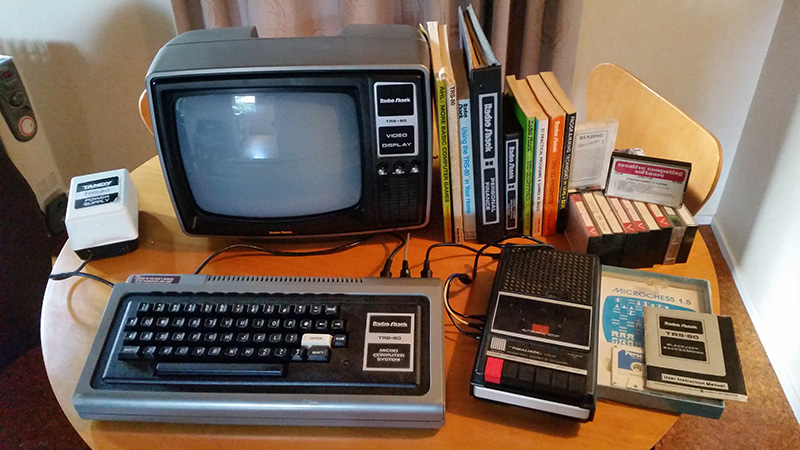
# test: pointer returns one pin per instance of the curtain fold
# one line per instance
(514, 27)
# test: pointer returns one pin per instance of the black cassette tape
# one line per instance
(539, 345)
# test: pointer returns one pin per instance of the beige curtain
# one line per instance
(514, 26)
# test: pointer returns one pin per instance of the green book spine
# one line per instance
(528, 153)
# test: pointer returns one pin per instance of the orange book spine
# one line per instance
(555, 145)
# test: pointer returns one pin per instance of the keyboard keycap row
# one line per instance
(239, 309)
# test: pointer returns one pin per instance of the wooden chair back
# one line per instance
(650, 122)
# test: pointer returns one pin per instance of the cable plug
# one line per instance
(426, 271)
(387, 269)
(464, 278)
(405, 272)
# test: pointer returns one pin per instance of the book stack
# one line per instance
(504, 145)
(626, 233)
(548, 120)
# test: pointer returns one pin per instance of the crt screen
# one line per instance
(271, 155)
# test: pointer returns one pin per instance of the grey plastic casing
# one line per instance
(395, 411)
(240, 51)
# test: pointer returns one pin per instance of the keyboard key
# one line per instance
(177, 322)
(178, 336)
(297, 354)
(195, 337)
(143, 307)
(130, 336)
(159, 308)
(210, 337)
(269, 309)
(226, 322)
(259, 337)
(198, 351)
(214, 351)
(226, 337)
(162, 322)
(207, 308)
(315, 310)
(210, 322)
(306, 324)
(231, 352)
(274, 323)
(190, 308)
(221, 308)
(300, 310)
(253, 309)
(146, 336)
(340, 340)
(331, 310)
(243, 338)
(131, 322)
(284, 309)
(174, 308)
(149, 352)
(264, 352)
(165, 351)
(237, 308)
(146, 322)
(292, 338)
(321, 325)
(162, 336)
(337, 325)
(221, 369)
(316, 340)
(318, 354)
(194, 322)
(182, 351)
(129, 353)
(275, 338)
(259, 323)
(242, 323)
(247, 352)
(289, 324)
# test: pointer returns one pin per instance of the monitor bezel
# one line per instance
(360, 218)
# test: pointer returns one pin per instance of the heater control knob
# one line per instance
(27, 126)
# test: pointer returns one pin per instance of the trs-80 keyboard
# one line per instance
(268, 350)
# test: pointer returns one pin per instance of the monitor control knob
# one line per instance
(382, 170)
(399, 169)
(414, 167)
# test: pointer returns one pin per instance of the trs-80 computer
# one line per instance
(268, 350)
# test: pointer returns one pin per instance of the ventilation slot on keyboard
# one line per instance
(263, 279)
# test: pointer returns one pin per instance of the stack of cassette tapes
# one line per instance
(627, 233)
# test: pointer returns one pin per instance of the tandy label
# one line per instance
(97, 192)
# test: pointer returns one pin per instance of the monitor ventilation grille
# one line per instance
(263, 279)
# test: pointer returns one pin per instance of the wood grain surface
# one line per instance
(72, 310)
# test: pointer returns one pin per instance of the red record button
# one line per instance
(27, 126)
(494, 369)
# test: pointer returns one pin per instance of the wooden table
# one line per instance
(72, 310)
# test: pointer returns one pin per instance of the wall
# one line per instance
(705, 57)
(759, 206)
(84, 64)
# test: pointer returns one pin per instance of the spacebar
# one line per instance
(221, 369)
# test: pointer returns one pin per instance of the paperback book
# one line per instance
(692, 353)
